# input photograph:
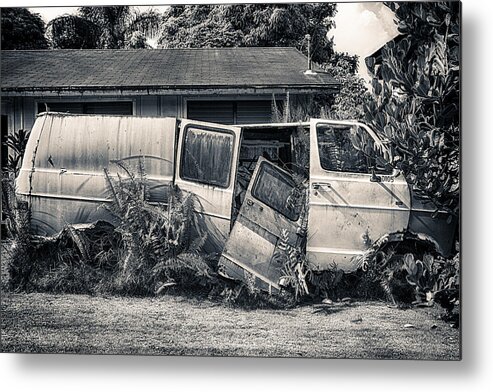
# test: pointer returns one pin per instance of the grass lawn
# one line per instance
(171, 325)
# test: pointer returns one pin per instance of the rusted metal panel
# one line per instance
(347, 211)
(49, 215)
(252, 244)
(66, 154)
(426, 219)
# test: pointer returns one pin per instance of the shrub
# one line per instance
(415, 103)
(415, 107)
(17, 225)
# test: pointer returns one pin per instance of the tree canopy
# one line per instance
(195, 26)
(22, 29)
(73, 32)
(112, 27)
(349, 103)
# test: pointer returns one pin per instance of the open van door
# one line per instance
(355, 196)
(265, 214)
(206, 164)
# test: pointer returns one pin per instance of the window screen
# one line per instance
(221, 112)
(232, 112)
(348, 148)
(207, 156)
(277, 190)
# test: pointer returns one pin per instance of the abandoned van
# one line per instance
(244, 179)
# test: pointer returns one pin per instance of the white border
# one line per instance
(125, 373)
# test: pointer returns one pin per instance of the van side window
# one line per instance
(339, 150)
(277, 190)
(207, 156)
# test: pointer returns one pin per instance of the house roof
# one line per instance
(159, 69)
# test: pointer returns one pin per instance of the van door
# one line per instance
(355, 196)
(207, 160)
(267, 212)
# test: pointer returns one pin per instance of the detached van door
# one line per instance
(354, 199)
(207, 160)
(267, 211)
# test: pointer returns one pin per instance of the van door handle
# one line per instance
(318, 185)
(399, 203)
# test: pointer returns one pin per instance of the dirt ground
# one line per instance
(170, 325)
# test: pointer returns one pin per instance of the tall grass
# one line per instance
(153, 247)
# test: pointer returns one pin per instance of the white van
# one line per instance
(353, 200)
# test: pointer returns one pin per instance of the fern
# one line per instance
(295, 266)
(161, 242)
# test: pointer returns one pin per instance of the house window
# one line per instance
(231, 112)
(104, 107)
(207, 156)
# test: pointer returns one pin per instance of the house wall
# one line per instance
(22, 110)
(19, 112)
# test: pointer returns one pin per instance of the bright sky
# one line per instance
(361, 27)
(48, 13)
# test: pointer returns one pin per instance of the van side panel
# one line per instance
(427, 220)
(66, 184)
(23, 180)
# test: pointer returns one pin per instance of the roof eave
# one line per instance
(169, 90)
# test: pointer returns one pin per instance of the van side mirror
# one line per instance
(374, 177)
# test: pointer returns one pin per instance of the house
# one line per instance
(223, 85)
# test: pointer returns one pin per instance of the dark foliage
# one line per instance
(111, 21)
(111, 27)
(73, 32)
(250, 25)
(416, 94)
(16, 142)
(22, 29)
(349, 103)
